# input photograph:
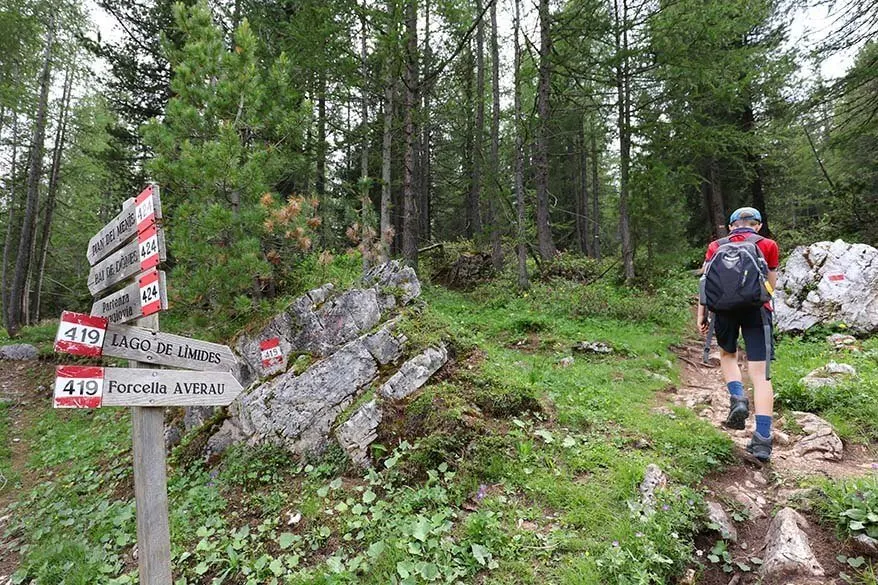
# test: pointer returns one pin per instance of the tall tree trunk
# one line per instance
(717, 204)
(583, 221)
(520, 244)
(471, 212)
(54, 175)
(757, 192)
(595, 199)
(386, 224)
(34, 173)
(541, 156)
(10, 222)
(410, 204)
(320, 177)
(475, 195)
(426, 178)
(494, 194)
(623, 89)
(366, 215)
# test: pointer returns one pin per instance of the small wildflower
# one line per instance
(699, 552)
(638, 534)
(666, 507)
(616, 543)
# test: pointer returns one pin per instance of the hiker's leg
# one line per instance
(756, 330)
(727, 339)
(763, 391)
(729, 365)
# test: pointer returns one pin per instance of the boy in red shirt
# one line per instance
(749, 322)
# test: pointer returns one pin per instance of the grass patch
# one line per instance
(852, 406)
(6, 476)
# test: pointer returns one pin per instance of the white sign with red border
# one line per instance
(146, 207)
(78, 387)
(129, 303)
(136, 215)
(141, 254)
(270, 353)
(80, 334)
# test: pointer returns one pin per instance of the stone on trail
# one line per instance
(829, 375)
(18, 352)
(598, 347)
(653, 479)
(840, 341)
(821, 441)
(359, 432)
(719, 520)
(787, 549)
(829, 282)
(866, 545)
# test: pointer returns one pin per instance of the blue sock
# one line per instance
(763, 425)
(735, 388)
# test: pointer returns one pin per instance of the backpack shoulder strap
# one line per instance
(755, 238)
(723, 241)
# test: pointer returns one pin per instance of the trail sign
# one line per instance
(270, 352)
(80, 334)
(154, 347)
(144, 253)
(93, 387)
(125, 225)
(130, 302)
(78, 387)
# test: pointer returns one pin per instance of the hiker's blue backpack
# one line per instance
(735, 277)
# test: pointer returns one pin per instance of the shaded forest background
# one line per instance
(285, 132)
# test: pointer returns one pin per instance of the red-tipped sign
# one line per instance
(144, 208)
(148, 242)
(80, 334)
(150, 293)
(836, 277)
(270, 352)
(78, 387)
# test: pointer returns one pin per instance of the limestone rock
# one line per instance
(227, 435)
(829, 375)
(821, 441)
(828, 282)
(414, 373)
(653, 479)
(718, 518)
(840, 341)
(299, 411)
(598, 347)
(787, 550)
(18, 352)
(865, 544)
(360, 431)
(320, 322)
(751, 501)
(566, 362)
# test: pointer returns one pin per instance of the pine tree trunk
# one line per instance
(424, 205)
(471, 212)
(541, 156)
(475, 196)
(54, 175)
(34, 173)
(10, 222)
(623, 89)
(717, 204)
(410, 205)
(386, 142)
(595, 202)
(583, 221)
(366, 216)
(320, 177)
(494, 195)
(520, 244)
(757, 191)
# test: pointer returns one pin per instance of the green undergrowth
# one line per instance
(6, 473)
(852, 405)
(515, 466)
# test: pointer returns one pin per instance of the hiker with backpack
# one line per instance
(740, 273)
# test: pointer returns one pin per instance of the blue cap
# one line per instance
(745, 213)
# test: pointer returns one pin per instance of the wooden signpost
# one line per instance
(132, 244)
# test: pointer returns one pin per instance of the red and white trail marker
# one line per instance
(270, 352)
(78, 387)
(835, 277)
(80, 334)
(148, 243)
(150, 293)
(144, 209)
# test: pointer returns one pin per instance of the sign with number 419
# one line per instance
(78, 387)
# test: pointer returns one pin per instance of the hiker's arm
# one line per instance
(772, 279)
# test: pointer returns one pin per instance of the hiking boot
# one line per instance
(739, 410)
(760, 447)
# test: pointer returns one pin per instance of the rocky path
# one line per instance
(764, 511)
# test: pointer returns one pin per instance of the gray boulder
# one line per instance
(828, 376)
(821, 441)
(298, 412)
(828, 282)
(720, 522)
(359, 432)
(320, 322)
(653, 479)
(414, 373)
(18, 352)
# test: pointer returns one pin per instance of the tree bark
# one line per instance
(410, 204)
(11, 222)
(366, 215)
(541, 156)
(520, 244)
(717, 204)
(595, 202)
(475, 195)
(386, 224)
(494, 194)
(424, 206)
(54, 175)
(757, 191)
(34, 173)
(623, 89)
(583, 221)
(320, 178)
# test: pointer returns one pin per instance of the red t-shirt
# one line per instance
(768, 247)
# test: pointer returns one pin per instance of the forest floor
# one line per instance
(518, 465)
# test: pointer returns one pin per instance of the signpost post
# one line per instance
(132, 245)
